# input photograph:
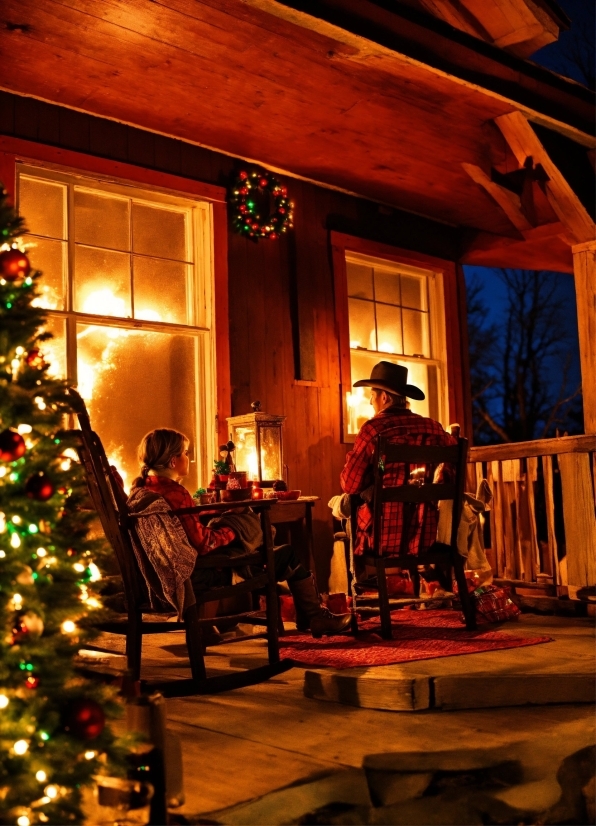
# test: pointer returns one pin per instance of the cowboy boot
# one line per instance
(309, 610)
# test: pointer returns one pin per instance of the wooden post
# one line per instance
(584, 269)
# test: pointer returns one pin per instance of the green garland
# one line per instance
(246, 219)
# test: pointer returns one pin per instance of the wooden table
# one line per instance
(292, 520)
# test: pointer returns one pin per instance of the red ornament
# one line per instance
(243, 175)
(281, 211)
(39, 487)
(31, 682)
(19, 632)
(14, 264)
(273, 235)
(12, 445)
(85, 719)
(34, 359)
(243, 190)
(284, 191)
(263, 182)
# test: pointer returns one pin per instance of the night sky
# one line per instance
(582, 15)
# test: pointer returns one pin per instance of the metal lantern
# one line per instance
(258, 440)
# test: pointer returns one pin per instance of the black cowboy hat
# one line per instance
(392, 378)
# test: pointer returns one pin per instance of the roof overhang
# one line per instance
(352, 95)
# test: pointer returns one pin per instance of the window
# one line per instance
(127, 280)
(391, 311)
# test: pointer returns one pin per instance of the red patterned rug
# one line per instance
(417, 635)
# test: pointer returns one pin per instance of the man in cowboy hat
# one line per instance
(389, 393)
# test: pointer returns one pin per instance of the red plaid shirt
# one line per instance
(399, 426)
(203, 539)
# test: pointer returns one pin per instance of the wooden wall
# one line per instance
(283, 340)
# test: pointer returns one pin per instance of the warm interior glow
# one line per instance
(386, 348)
(104, 302)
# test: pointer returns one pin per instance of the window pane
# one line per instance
(418, 376)
(42, 205)
(54, 350)
(389, 329)
(387, 287)
(49, 257)
(101, 220)
(360, 280)
(415, 333)
(159, 232)
(359, 407)
(134, 381)
(413, 292)
(362, 324)
(102, 282)
(160, 290)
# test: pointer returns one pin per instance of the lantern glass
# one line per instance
(245, 439)
(258, 440)
(271, 453)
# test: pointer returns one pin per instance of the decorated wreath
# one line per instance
(248, 195)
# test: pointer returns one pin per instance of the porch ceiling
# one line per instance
(267, 83)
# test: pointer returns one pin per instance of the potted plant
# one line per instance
(221, 470)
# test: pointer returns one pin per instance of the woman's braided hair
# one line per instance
(157, 449)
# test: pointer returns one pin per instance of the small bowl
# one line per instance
(287, 495)
(235, 495)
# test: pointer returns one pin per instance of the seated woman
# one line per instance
(163, 454)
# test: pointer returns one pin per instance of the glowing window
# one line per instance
(393, 315)
(128, 293)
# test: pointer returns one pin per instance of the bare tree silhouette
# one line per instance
(520, 369)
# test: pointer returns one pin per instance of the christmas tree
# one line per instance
(53, 733)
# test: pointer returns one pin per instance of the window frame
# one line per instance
(212, 316)
(445, 327)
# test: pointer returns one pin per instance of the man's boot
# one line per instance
(309, 610)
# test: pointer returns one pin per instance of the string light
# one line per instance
(2, 554)
(79, 567)
(95, 572)
(23, 820)
(41, 776)
(33, 528)
(68, 627)
(19, 351)
(41, 552)
(89, 755)
(2, 472)
(3, 701)
(15, 540)
(24, 428)
(51, 792)
(16, 519)
(40, 402)
(17, 600)
(20, 747)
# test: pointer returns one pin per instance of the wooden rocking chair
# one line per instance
(411, 495)
(110, 502)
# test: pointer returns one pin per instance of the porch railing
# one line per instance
(542, 519)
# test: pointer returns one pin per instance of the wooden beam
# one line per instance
(524, 144)
(584, 270)
(509, 201)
